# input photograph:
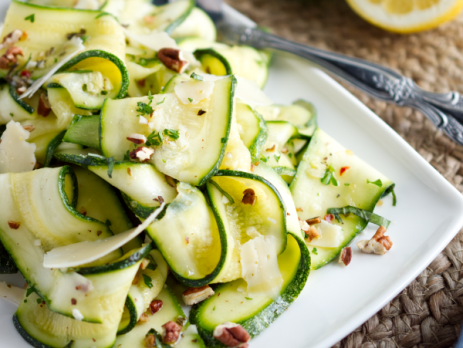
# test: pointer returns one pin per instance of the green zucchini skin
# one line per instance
(179, 20)
(210, 51)
(84, 130)
(130, 306)
(117, 265)
(52, 147)
(139, 209)
(7, 265)
(20, 102)
(261, 320)
(105, 55)
(29, 339)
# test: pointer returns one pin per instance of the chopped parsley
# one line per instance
(290, 155)
(213, 308)
(145, 109)
(154, 139)
(29, 291)
(104, 92)
(11, 114)
(248, 298)
(196, 76)
(329, 177)
(223, 140)
(315, 251)
(277, 158)
(346, 184)
(162, 101)
(110, 161)
(191, 100)
(147, 280)
(172, 133)
(127, 156)
(39, 301)
(378, 182)
(30, 18)
(394, 198)
(264, 159)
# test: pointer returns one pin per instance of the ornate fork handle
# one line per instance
(445, 110)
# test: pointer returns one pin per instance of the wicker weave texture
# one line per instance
(429, 312)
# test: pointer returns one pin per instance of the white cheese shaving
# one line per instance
(85, 252)
(252, 232)
(87, 5)
(37, 242)
(225, 200)
(259, 266)
(142, 120)
(330, 235)
(371, 247)
(193, 91)
(77, 314)
(75, 41)
(11, 293)
(16, 154)
(145, 153)
(10, 41)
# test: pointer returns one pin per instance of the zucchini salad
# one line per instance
(151, 194)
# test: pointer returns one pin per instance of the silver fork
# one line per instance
(445, 110)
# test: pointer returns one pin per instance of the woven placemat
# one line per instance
(429, 312)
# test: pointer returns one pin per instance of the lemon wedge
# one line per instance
(407, 16)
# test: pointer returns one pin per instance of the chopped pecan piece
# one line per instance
(195, 295)
(80, 34)
(249, 197)
(11, 39)
(346, 256)
(329, 218)
(170, 57)
(155, 306)
(10, 58)
(29, 128)
(150, 341)
(137, 138)
(312, 233)
(144, 263)
(171, 332)
(231, 335)
(144, 318)
(44, 108)
(314, 221)
(21, 90)
(379, 244)
(142, 153)
(201, 112)
(14, 225)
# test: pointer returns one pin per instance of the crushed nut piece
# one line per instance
(271, 149)
(136, 279)
(21, 90)
(170, 57)
(14, 225)
(379, 244)
(142, 153)
(346, 256)
(195, 295)
(231, 334)
(29, 128)
(312, 233)
(83, 211)
(80, 34)
(129, 171)
(155, 306)
(329, 217)
(10, 58)
(284, 150)
(150, 341)
(249, 197)
(137, 138)
(144, 263)
(171, 332)
(144, 318)
(314, 221)
(304, 225)
(201, 112)
(11, 39)
(44, 108)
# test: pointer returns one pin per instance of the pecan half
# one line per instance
(10, 58)
(195, 295)
(155, 306)
(231, 335)
(346, 256)
(171, 332)
(170, 57)
(44, 108)
(249, 197)
(379, 244)
(14, 225)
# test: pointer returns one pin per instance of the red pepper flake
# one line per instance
(288, 214)
(94, 340)
(141, 83)
(73, 301)
(329, 218)
(13, 224)
(343, 169)
(26, 73)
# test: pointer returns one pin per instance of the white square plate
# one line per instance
(336, 300)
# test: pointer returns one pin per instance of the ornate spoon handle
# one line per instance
(445, 110)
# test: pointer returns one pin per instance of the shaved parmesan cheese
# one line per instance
(16, 154)
(250, 93)
(142, 120)
(85, 252)
(11, 293)
(154, 41)
(330, 235)
(75, 41)
(87, 5)
(259, 266)
(193, 91)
